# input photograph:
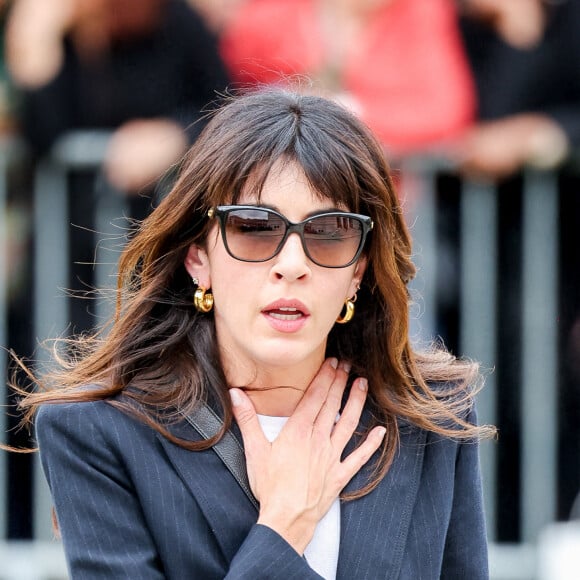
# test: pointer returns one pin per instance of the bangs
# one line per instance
(323, 184)
(334, 168)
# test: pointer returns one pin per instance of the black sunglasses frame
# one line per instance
(221, 213)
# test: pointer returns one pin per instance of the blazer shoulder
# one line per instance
(55, 411)
(84, 418)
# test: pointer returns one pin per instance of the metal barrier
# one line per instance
(11, 151)
(479, 326)
(539, 364)
(478, 329)
(76, 151)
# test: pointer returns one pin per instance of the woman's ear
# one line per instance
(357, 277)
(197, 265)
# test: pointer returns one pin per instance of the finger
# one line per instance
(247, 420)
(315, 395)
(360, 456)
(328, 414)
(350, 416)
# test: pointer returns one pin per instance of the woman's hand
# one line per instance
(520, 23)
(141, 151)
(298, 476)
(497, 149)
(35, 32)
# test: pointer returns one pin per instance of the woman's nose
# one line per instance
(292, 263)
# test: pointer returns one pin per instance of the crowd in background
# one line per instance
(491, 85)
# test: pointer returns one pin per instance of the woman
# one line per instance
(284, 215)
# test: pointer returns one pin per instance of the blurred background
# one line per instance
(477, 104)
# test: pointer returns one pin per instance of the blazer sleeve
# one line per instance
(265, 555)
(466, 554)
(99, 516)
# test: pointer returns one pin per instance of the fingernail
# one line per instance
(362, 384)
(235, 396)
(334, 363)
(345, 366)
(381, 432)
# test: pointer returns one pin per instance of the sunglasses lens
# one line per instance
(253, 234)
(333, 240)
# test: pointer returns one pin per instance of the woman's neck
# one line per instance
(275, 401)
(275, 392)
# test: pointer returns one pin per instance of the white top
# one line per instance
(322, 551)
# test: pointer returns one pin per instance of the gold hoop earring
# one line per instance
(203, 300)
(349, 305)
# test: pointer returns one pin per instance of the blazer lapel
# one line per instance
(227, 509)
(374, 528)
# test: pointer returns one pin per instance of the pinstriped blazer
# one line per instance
(130, 504)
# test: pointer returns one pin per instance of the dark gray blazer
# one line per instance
(132, 505)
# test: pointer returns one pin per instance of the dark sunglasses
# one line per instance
(256, 234)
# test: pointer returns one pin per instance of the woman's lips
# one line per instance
(286, 316)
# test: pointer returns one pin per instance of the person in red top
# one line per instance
(399, 64)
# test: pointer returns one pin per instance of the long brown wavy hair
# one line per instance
(159, 356)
